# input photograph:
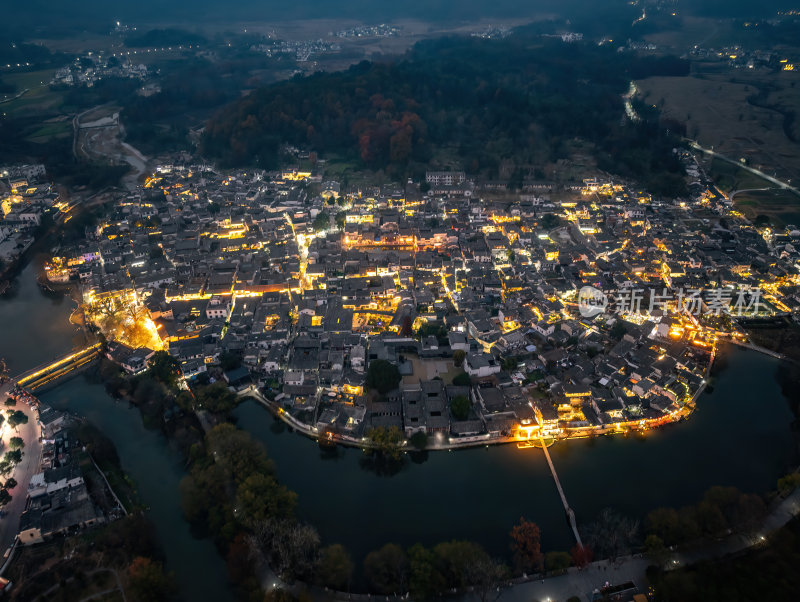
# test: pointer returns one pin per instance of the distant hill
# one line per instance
(33, 17)
(521, 99)
(163, 37)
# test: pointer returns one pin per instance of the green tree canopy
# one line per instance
(386, 569)
(13, 457)
(237, 452)
(460, 407)
(383, 376)
(419, 440)
(656, 549)
(425, 581)
(165, 368)
(388, 441)
(557, 560)
(335, 567)
(462, 380)
(216, 398)
(322, 221)
(549, 221)
(230, 360)
(618, 330)
(16, 418)
(260, 497)
(458, 561)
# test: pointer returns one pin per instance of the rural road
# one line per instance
(739, 164)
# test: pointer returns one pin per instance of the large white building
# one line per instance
(445, 178)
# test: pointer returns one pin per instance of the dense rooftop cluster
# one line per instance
(23, 205)
(476, 302)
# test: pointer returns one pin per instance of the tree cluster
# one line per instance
(767, 572)
(720, 510)
(386, 441)
(518, 99)
(430, 572)
(383, 376)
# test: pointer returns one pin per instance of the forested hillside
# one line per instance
(488, 101)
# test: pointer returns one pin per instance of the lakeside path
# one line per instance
(583, 582)
(22, 473)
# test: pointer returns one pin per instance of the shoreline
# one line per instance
(625, 429)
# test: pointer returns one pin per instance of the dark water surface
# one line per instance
(739, 435)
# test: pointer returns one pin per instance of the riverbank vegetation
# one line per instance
(767, 572)
(155, 393)
(723, 511)
(232, 496)
(96, 446)
(98, 560)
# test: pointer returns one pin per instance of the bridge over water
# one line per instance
(49, 373)
(570, 513)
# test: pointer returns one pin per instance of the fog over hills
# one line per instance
(95, 15)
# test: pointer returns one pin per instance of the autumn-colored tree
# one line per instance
(581, 555)
(406, 329)
(148, 581)
(526, 545)
(239, 559)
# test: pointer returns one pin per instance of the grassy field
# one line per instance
(695, 30)
(713, 104)
(728, 177)
(782, 207)
(29, 79)
(50, 131)
(38, 98)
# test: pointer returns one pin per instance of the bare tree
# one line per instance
(612, 535)
(290, 548)
(485, 575)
